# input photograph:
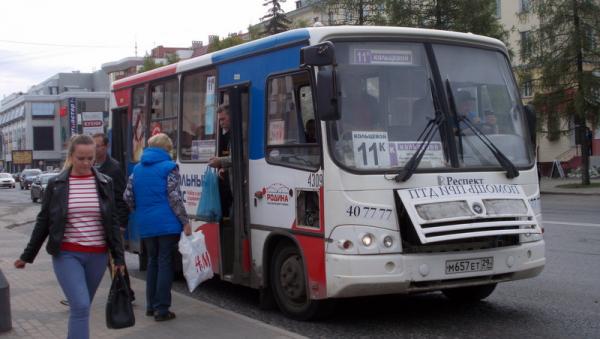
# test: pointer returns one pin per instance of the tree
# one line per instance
(254, 32)
(474, 16)
(302, 23)
(277, 21)
(172, 58)
(149, 63)
(352, 12)
(217, 43)
(560, 55)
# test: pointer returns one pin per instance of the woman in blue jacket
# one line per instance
(154, 196)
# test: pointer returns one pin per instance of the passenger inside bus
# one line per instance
(360, 109)
(466, 107)
(223, 159)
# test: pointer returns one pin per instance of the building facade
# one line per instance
(36, 126)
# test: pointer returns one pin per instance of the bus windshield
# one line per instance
(387, 98)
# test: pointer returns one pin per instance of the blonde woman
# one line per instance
(78, 217)
(154, 196)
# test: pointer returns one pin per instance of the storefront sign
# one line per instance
(73, 115)
(92, 122)
(22, 157)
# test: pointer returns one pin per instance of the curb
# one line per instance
(570, 193)
(281, 330)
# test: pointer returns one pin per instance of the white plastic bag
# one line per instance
(197, 266)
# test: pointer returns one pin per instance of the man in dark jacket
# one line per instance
(111, 167)
(223, 160)
(106, 165)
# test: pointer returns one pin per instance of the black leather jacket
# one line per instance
(52, 218)
(112, 168)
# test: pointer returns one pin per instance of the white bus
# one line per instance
(368, 161)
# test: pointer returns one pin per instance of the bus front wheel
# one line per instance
(469, 294)
(288, 282)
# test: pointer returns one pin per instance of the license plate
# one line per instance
(469, 265)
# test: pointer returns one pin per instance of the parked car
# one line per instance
(27, 177)
(39, 186)
(6, 180)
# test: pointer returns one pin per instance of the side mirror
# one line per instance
(322, 54)
(531, 123)
(327, 100)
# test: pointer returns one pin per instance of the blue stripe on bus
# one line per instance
(256, 70)
(261, 44)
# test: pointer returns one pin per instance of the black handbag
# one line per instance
(119, 311)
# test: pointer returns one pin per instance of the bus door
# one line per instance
(235, 248)
(118, 135)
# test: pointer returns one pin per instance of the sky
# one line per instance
(39, 38)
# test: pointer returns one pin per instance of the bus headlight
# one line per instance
(345, 244)
(535, 235)
(362, 239)
(388, 241)
(367, 239)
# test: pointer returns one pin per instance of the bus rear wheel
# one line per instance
(469, 294)
(288, 282)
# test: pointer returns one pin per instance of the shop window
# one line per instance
(43, 138)
(42, 110)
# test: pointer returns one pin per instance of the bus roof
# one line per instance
(314, 35)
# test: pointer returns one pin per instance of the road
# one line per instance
(563, 302)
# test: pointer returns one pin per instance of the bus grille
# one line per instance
(458, 230)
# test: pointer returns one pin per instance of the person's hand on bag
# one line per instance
(214, 162)
(187, 229)
(20, 263)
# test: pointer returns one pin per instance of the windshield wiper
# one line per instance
(511, 170)
(425, 137)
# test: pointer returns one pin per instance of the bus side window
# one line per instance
(291, 126)
(198, 128)
(163, 112)
(138, 123)
(307, 113)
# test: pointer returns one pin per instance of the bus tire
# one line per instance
(470, 293)
(288, 282)
(266, 301)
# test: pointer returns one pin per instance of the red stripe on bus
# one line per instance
(145, 77)
(246, 255)
(313, 251)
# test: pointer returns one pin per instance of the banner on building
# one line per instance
(73, 115)
(24, 157)
(92, 122)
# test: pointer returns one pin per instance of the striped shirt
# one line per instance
(83, 231)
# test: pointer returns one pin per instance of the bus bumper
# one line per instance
(362, 275)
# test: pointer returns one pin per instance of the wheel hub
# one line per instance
(292, 277)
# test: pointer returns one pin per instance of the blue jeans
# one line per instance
(159, 277)
(79, 275)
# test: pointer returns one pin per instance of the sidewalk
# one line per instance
(550, 186)
(37, 313)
